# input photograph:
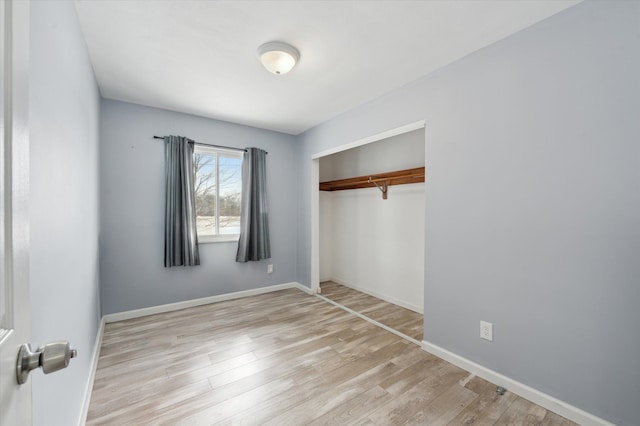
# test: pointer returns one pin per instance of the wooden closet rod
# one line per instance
(338, 185)
(400, 177)
(414, 176)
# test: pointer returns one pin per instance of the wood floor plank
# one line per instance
(410, 376)
(352, 410)
(286, 358)
(522, 412)
(335, 396)
(404, 406)
(552, 419)
(444, 408)
(401, 319)
(487, 408)
(352, 372)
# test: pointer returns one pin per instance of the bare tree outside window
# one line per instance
(218, 187)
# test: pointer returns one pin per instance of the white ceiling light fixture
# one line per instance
(278, 57)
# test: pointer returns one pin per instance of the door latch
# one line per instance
(51, 357)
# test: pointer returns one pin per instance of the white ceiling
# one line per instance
(200, 57)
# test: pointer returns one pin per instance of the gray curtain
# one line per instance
(254, 218)
(180, 234)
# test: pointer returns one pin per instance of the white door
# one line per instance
(15, 400)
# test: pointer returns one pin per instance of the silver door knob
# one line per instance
(51, 357)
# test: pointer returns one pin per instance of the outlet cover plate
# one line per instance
(486, 330)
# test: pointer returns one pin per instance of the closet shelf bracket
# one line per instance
(384, 188)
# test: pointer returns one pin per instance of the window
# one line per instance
(218, 189)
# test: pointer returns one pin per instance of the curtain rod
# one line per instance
(215, 146)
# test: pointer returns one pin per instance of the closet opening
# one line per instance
(368, 228)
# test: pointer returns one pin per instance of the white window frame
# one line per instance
(210, 150)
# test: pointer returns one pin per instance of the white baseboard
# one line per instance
(542, 399)
(92, 374)
(302, 287)
(411, 307)
(169, 307)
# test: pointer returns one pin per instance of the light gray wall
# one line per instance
(533, 203)
(63, 205)
(132, 204)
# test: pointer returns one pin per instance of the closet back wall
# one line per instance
(132, 211)
(367, 243)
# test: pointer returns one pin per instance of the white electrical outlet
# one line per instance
(486, 330)
(269, 269)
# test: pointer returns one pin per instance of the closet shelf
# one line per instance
(381, 180)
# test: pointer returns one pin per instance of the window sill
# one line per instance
(208, 239)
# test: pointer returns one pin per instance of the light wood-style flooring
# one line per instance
(285, 358)
(401, 319)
